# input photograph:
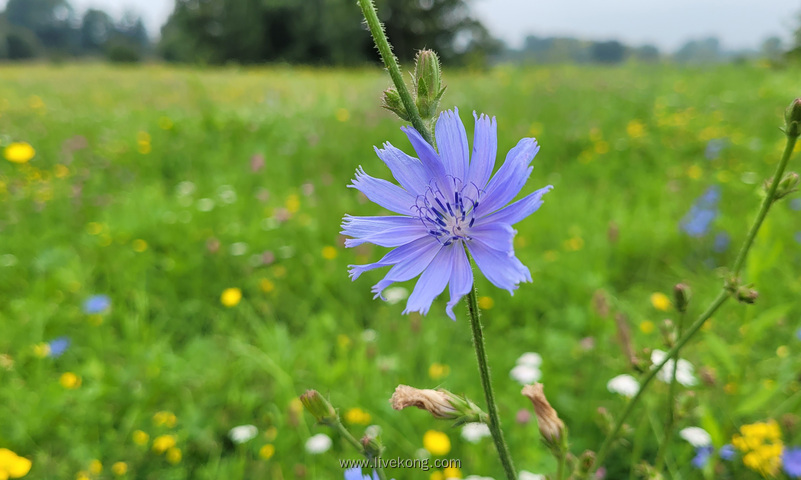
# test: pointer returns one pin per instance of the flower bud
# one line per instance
(681, 297)
(391, 101)
(439, 403)
(787, 185)
(585, 462)
(371, 442)
(551, 427)
(427, 83)
(792, 119)
(747, 295)
(319, 407)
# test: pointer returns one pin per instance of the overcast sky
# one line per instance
(668, 24)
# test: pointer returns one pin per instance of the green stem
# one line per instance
(766, 203)
(560, 469)
(385, 49)
(670, 422)
(604, 450)
(358, 446)
(486, 383)
(719, 300)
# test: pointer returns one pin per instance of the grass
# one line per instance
(162, 187)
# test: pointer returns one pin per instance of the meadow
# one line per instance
(158, 195)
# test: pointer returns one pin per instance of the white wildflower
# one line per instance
(243, 433)
(317, 444)
(475, 431)
(625, 385)
(684, 370)
(696, 436)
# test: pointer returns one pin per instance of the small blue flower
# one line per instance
(722, 241)
(448, 206)
(714, 147)
(58, 346)
(698, 220)
(702, 455)
(96, 304)
(356, 474)
(797, 237)
(795, 204)
(727, 452)
(791, 462)
(798, 334)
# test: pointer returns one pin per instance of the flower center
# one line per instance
(448, 217)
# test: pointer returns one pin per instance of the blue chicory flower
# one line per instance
(58, 346)
(702, 455)
(447, 203)
(791, 462)
(356, 474)
(798, 334)
(797, 237)
(795, 204)
(722, 241)
(96, 304)
(698, 220)
(727, 452)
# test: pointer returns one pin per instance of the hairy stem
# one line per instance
(766, 203)
(385, 49)
(486, 383)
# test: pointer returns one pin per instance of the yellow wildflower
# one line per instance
(140, 438)
(139, 245)
(174, 455)
(646, 326)
(660, 301)
(266, 285)
(95, 467)
(635, 129)
(485, 303)
(266, 452)
(761, 445)
(41, 350)
(164, 418)
(19, 152)
(329, 252)
(436, 442)
(438, 371)
(12, 465)
(452, 472)
(357, 416)
(163, 443)
(119, 468)
(231, 297)
(69, 380)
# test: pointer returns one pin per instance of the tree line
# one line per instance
(51, 29)
(327, 32)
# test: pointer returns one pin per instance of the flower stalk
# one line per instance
(792, 131)
(486, 383)
(385, 49)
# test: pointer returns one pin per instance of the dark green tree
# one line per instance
(96, 28)
(608, 52)
(315, 31)
(50, 20)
